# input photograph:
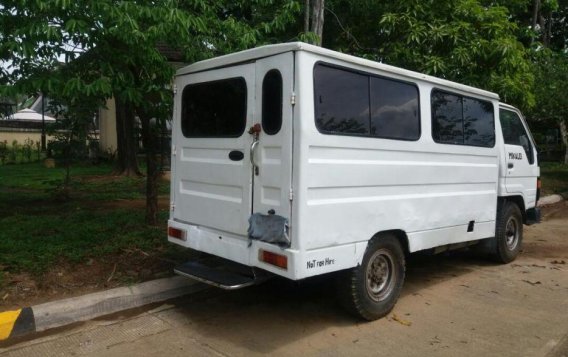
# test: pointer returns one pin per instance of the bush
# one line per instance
(20, 153)
(3, 152)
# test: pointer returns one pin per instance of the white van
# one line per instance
(297, 161)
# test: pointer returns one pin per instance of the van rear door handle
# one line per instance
(510, 165)
(252, 152)
(252, 156)
(236, 155)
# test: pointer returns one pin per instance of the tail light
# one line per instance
(278, 260)
(538, 186)
(176, 233)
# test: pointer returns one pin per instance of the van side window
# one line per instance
(514, 132)
(341, 101)
(478, 123)
(461, 120)
(394, 109)
(354, 103)
(272, 102)
(214, 109)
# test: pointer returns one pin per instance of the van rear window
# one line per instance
(214, 109)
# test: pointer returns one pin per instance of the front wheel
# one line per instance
(508, 233)
(371, 290)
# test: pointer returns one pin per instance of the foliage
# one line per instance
(551, 72)
(463, 41)
(554, 178)
(111, 47)
(559, 27)
(111, 44)
(74, 119)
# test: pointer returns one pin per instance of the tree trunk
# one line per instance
(536, 9)
(564, 134)
(127, 163)
(306, 16)
(547, 36)
(318, 7)
(150, 142)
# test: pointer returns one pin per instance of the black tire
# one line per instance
(508, 233)
(371, 290)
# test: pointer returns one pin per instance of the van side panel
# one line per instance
(350, 188)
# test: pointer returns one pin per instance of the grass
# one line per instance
(36, 176)
(38, 231)
(554, 177)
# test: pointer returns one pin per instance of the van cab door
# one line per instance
(522, 168)
(272, 153)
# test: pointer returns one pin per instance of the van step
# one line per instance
(224, 277)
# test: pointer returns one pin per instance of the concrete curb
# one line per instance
(82, 308)
(549, 200)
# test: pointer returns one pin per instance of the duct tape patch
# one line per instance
(16, 323)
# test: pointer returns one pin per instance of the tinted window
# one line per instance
(272, 102)
(461, 120)
(394, 109)
(514, 132)
(447, 118)
(478, 125)
(341, 101)
(214, 109)
(349, 102)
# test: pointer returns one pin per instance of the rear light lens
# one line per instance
(176, 233)
(278, 260)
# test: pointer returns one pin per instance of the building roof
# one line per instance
(31, 115)
(271, 50)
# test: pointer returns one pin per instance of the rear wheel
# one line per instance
(371, 290)
(508, 233)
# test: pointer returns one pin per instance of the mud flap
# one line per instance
(533, 216)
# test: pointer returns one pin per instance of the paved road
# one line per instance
(451, 305)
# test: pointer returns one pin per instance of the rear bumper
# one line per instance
(300, 263)
(235, 248)
(533, 216)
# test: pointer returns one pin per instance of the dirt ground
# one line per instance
(67, 280)
(451, 304)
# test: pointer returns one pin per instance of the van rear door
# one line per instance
(223, 171)
(212, 185)
(273, 153)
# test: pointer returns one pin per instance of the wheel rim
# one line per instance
(381, 275)
(512, 233)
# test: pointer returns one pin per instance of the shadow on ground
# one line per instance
(280, 311)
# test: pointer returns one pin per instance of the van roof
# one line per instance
(271, 50)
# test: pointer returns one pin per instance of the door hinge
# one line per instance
(172, 207)
(174, 150)
(291, 195)
(175, 89)
(293, 99)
